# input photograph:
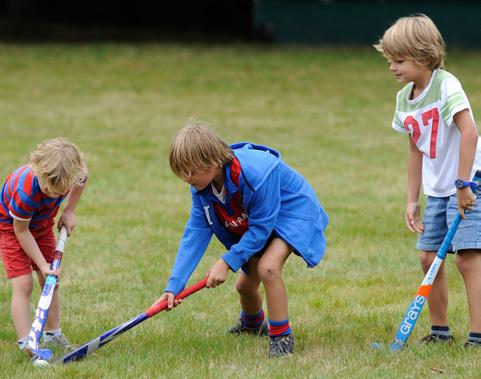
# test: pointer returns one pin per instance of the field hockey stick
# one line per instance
(43, 307)
(105, 338)
(411, 317)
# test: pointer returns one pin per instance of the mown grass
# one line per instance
(328, 110)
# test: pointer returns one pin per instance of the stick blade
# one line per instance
(396, 346)
(76, 355)
(43, 354)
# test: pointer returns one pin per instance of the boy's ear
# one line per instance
(424, 62)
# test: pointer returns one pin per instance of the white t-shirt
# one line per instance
(220, 195)
(428, 119)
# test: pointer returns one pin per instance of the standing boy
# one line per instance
(433, 110)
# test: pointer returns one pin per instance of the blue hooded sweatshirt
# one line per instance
(276, 199)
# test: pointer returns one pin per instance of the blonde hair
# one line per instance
(195, 148)
(58, 165)
(415, 37)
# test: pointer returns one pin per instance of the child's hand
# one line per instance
(411, 217)
(466, 200)
(217, 274)
(45, 270)
(171, 301)
(68, 220)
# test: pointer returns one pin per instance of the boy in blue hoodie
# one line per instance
(261, 210)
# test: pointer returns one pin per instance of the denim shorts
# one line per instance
(439, 213)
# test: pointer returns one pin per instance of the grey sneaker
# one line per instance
(433, 338)
(240, 328)
(281, 346)
(60, 342)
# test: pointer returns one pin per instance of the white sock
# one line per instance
(48, 335)
(22, 343)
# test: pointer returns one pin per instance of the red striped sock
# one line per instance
(252, 320)
(279, 328)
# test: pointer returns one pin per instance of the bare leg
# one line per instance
(270, 269)
(469, 265)
(438, 297)
(22, 287)
(248, 288)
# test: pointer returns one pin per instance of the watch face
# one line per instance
(459, 183)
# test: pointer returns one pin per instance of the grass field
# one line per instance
(328, 110)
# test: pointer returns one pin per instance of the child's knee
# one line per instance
(464, 262)
(245, 286)
(22, 286)
(268, 272)
(426, 259)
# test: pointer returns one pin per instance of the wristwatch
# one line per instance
(460, 183)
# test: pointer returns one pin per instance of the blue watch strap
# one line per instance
(460, 183)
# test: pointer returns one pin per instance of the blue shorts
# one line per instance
(439, 213)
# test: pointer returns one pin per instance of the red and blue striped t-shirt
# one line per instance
(232, 215)
(22, 199)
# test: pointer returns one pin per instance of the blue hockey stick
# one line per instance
(43, 307)
(414, 310)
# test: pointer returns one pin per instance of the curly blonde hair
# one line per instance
(58, 165)
(415, 37)
(195, 148)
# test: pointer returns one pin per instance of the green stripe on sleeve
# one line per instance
(454, 101)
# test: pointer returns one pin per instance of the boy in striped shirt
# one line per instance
(444, 154)
(29, 201)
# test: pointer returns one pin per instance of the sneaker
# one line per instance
(469, 344)
(432, 338)
(281, 346)
(240, 328)
(59, 341)
(37, 362)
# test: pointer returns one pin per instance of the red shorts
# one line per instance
(15, 260)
